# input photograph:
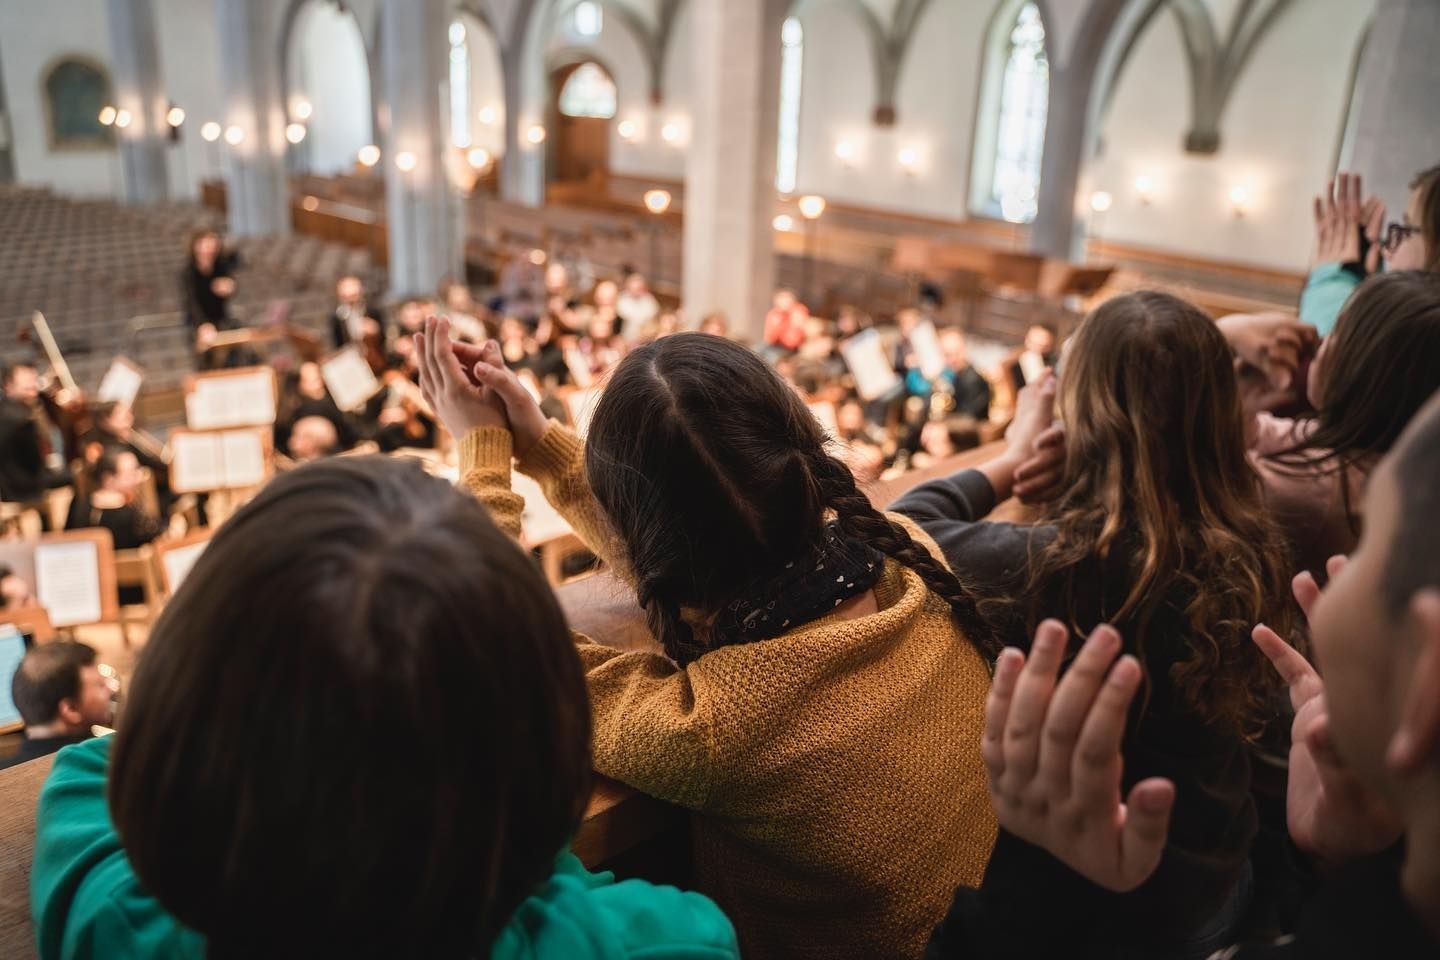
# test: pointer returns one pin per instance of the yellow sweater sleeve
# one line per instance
(557, 463)
(652, 724)
(485, 471)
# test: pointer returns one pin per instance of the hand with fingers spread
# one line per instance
(457, 401)
(485, 367)
(1052, 756)
(1341, 217)
(1329, 812)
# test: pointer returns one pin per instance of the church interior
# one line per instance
(923, 439)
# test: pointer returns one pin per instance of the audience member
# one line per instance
(332, 796)
(785, 323)
(60, 693)
(716, 324)
(638, 311)
(816, 672)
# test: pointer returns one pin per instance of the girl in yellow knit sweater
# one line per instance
(821, 702)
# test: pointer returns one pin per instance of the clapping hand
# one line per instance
(457, 401)
(1340, 216)
(1052, 756)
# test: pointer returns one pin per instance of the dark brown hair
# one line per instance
(1428, 183)
(714, 475)
(1156, 478)
(1413, 562)
(359, 729)
(48, 676)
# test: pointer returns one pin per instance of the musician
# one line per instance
(468, 320)
(959, 389)
(207, 283)
(1034, 357)
(112, 504)
(15, 592)
(32, 458)
(304, 396)
(354, 320)
(114, 426)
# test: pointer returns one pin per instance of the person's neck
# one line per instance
(1420, 876)
(50, 731)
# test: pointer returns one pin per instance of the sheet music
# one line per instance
(231, 400)
(582, 407)
(539, 522)
(865, 356)
(121, 383)
(349, 379)
(927, 350)
(243, 454)
(197, 464)
(67, 582)
(179, 561)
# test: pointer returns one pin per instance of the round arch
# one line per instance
(337, 86)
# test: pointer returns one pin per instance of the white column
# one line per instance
(1396, 133)
(730, 164)
(140, 91)
(421, 203)
(257, 191)
(1057, 231)
(522, 170)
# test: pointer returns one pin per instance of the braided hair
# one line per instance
(714, 475)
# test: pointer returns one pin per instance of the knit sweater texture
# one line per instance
(834, 771)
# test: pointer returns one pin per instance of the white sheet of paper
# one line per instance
(243, 453)
(579, 368)
(865, 356)
(582, 408)
(197, 464)
(539, 521)
(927, 350)
(240, 400)
(349, 379)
(121, 384)
(67, 582)
(179, 561)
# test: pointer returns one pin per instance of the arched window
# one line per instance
(459, 86)
(589, 92)
(792, 63)
(75, 93)
(1009, 176)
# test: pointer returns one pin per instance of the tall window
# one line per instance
(792, 62)
(1020, 133)
(75, 93)
(459, 86)
(589, 18)
(589, 92)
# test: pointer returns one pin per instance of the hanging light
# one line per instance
(535, 135)
(487, 115)
(479, 158)
(369, 155)
(304, 109)
(405, 161)
(122, 118)
(1145, 188)
(234, 135)
(107, 115)
(295, 132)
(175, 116)
(783, 222)
(1101, 201)
(210, 132)
(811, 206)
(657, 201)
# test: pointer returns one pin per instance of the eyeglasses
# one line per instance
(1398, 233)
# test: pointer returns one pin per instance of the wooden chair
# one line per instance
(136, 568)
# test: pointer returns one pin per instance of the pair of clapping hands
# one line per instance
(469, 386)
(1052, 751)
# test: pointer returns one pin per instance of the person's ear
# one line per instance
(1416, 741)
(69, 713)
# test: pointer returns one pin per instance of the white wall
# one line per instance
(328, 67)
(487, 89)
(1278, 141)
(189, 58)
(34, 36)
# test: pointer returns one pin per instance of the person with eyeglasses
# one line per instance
(1353, 242)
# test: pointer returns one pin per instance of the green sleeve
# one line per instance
(1326, 290)
(84, 898)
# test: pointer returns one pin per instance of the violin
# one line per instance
(62, 400)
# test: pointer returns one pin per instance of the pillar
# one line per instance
(140, 91)
(522, 171)
(422, 204)
(258, 193)
(730, 165)
(1395, 133)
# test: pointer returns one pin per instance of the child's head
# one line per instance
(714, 475)
(1156, 470)
(1376, 628)
(1417, 245)
(358, 729)
(1378, 367)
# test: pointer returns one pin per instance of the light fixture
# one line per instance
(405, 161)
(537, 257)
(295, 132)
(311, 203)
(1239, 200)
(210, 132)
(670, 133)
(234, 135)
(107, 115)
(1100, 201)
(1145, 188)
(535, 135)
(811, 206)
(175, 116)
(479, 158)
(629, 130)
(369, 155)
(846, 152)
(783, 222)
(909, 159)
(122, 118)
(657, 201)
(589, 18)
(487, 115)
(303, 109)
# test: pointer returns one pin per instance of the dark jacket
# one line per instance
(1214, 820)
(22, 468)
(34, 749)
(198, 300)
